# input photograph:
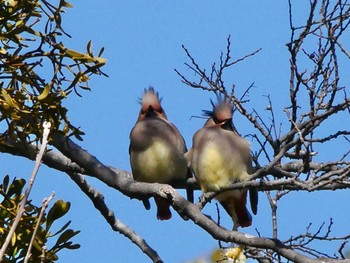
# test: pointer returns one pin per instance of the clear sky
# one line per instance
(142, 41)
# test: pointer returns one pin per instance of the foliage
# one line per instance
(12, 196)
(289, 157)
(37, 70)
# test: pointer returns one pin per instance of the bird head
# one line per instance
(221, 115)
(151, 105)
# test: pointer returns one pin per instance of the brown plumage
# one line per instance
(157, 150)
(220, 157)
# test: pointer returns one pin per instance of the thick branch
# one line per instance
(121, 180)
(98, 200)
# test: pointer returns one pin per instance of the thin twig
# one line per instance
(21, 210)
(41, 214)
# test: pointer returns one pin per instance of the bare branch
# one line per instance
(21, 210)
(41, 214)
(98, 200)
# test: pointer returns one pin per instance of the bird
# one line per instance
(219, 157)
(157, 150)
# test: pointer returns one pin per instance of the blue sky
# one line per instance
(142, 41)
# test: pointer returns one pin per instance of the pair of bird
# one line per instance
(218, 157)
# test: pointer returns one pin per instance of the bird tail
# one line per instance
(189, 188)
(236, 207)
(163, 208)
(243, 215)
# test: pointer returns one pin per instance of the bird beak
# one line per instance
(227, 125)
(151, 112)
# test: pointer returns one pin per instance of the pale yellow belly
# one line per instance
(158, 164)
(215, 169)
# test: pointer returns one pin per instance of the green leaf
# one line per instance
(51, 256)
(59, 209)
(66, 236)
(101, 52)
(66, 4)
(36, 245)
(78, 137)
(74, 246)
(5, 183)
(62, 229)
(88, 47)
(16, 187)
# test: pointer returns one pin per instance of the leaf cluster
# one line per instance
(12, 193)
(31, 48)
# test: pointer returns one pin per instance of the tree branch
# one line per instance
(98, 200)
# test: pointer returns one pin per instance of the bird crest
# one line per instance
(151, 105)
(149, 99)
(222, 109)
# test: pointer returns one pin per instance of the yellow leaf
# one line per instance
(19, 23)
(8, 98)
(84, 78)
(13, 239)
(229, 255)
(233, 252)
(45, 92)
(26, 111)
(66, 4)
(12, 3)
(74, 53)
(216, 255)
(5, 105)
(101, 60)
(66, 129)
(77, 55)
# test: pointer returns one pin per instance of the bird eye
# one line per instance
(215, 120)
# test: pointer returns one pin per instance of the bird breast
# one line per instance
(157, 154)
(219, 159)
